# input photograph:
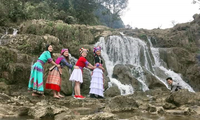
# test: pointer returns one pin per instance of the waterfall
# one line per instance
(3, 36)
(175, 76)
(15, 31)
(128, 50)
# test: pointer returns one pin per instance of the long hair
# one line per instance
(51, 53)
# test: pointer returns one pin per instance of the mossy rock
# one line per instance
(12, 71)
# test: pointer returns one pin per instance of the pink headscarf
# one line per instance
(63, 50)
(60, 57)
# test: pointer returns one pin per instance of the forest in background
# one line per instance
(88, 12)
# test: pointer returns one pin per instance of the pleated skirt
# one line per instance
(54, 80)
(77, 76)
(96, 84)
(36, 78)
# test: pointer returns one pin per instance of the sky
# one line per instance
(149, 14)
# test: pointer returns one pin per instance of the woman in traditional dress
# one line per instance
(77, 74)
(96, 84)
(54, 77)
(36, 77)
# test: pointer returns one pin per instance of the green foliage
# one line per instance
(3, 15)
(69, 11)
(2, 80)
(106, 17)
(7, 64)
(143, 37)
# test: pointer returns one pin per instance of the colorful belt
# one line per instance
(40, 62)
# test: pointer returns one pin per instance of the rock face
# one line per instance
(123, 74)
(112, 91)
(66, 85)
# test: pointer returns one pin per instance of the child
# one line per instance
(96, 86)
(77, 74)
(54, 77)
(36, 77)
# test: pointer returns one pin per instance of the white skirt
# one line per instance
(96, 84)
(76, 75)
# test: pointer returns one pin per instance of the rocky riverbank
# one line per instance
(152, 104)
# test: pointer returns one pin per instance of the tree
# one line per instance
(115, 7)
(84, 11)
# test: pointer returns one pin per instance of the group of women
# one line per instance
(53, 81)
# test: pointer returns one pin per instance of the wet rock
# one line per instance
(4, 97)
(106, 80)
(175, 112)
(85, 103)
(189, 111)
(66, 116)
(100, 116)
(161, 111)
(122, 103)
(169, 106)
(183, 97)
(123, 74)
(151, 108)
(152, 82)
(196, 109)
(39, 111)
(139, 118)
(23, 111)
(112, 91)
(7, 110)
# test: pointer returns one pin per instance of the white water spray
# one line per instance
(129, 50)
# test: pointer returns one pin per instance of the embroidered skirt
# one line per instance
(36, 78)
(96, 84)
(76, 75)
(54, 80)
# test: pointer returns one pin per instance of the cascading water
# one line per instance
(3, 36)
(129, 50)
(6, 33)
(15, 31)
(175, 76)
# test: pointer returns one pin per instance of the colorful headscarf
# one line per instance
(63, 50)
(96, 49)
(83, 49)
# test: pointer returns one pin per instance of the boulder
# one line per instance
(183, 97)
(122, 103)
(112, 91)
(123, 74)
